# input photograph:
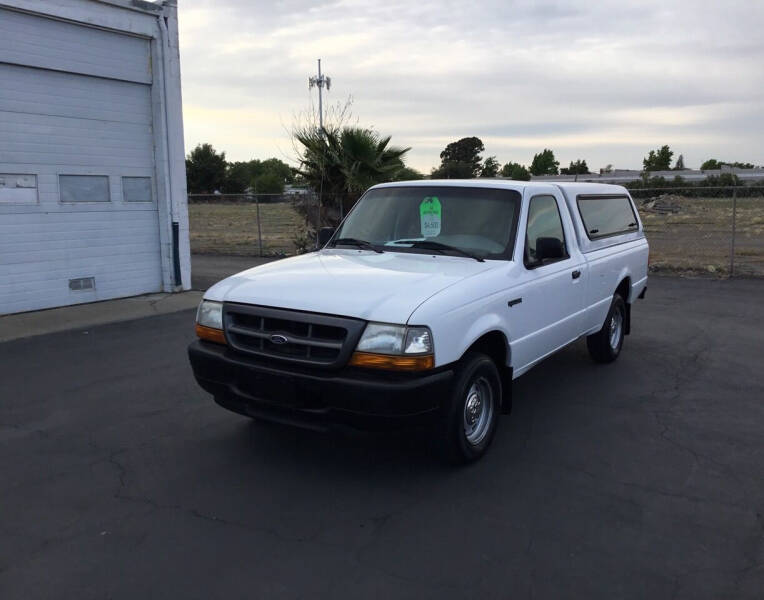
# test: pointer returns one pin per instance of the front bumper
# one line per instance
(318, 399)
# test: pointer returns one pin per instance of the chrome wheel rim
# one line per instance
(616, 325)
(478, 411)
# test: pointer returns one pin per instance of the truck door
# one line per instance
(554, 275)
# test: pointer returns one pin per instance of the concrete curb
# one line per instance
(79, 316)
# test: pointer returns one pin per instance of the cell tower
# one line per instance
(320, 81)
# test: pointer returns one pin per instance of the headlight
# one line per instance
(418, 341)
(395, 339)
(382, 338)
(394, 347)
(210, 314)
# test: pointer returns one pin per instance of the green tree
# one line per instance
(658, 160)
(341, 162)
(205, 170)
(407, 174)
(238, 177)
(269, 182)
(460, 159)
(712, 163)
(279, 167)
(515, 171)
(544, 163)
(490, 167)
(576, 168)
(346, 161)
(453, 170)
(679, 166)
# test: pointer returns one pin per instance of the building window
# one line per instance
(18, 189)
(84, 188)
(136, 189)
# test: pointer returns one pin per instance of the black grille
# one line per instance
(303, 337)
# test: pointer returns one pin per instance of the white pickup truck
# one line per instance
(424, 305)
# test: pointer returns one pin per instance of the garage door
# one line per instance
(78, 206)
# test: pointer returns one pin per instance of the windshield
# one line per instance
(477, 221)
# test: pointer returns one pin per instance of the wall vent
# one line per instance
(82, 283)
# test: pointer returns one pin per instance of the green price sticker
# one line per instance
(429, 216)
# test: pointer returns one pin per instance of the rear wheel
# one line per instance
(605, 345)
(473, 409)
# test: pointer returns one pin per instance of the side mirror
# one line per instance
(549, 248)
(324, 235)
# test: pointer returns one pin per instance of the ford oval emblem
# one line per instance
(279, 339)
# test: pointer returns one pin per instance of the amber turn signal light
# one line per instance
(391, 362)
(209, 334)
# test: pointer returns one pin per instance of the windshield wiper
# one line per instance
(431, 245)
(354, 242)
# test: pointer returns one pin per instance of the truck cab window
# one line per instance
(604, 216)
(544, 238)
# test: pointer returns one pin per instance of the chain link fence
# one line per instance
(704, 230)
(258, 224)
(716, 231)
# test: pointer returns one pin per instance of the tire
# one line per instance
(605, 345)
(472, 411)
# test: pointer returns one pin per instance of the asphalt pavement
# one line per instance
(208, 269)
(640, 479)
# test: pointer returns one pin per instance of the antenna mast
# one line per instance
(320, 81)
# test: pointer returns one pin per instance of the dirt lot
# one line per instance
(232, 228)
(687, 235)
(694, 234)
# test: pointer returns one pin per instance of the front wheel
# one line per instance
(605, 345)
(473, 409)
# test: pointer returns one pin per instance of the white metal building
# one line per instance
(92, 170)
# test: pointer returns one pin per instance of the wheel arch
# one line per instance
(624, 287)
(494, 344)
(624, 290)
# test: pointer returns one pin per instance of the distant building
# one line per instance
(689, 175)
(296, 190)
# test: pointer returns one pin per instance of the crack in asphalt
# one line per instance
(687, 371)
(120, 494)
(642, 487)
(17, 427)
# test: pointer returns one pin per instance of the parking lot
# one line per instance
(641, 479)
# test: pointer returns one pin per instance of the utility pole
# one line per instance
(320, 81)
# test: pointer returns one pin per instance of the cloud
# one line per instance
(605, 82)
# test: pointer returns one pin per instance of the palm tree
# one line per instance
(342, 163)
(367, 159)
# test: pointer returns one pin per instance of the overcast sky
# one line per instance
(605, 81)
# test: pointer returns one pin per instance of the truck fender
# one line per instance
(486, 323)
(624, 274)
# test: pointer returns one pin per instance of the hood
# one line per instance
(384, 287)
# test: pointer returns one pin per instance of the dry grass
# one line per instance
(697, 238)
(232, 228)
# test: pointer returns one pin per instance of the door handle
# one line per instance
(576, 274)
(511, 303)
